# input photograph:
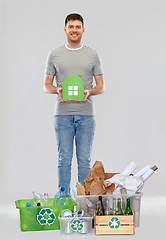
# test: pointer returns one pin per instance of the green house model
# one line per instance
(73, 88)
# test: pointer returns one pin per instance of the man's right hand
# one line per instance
(50, 88)
(60, 95)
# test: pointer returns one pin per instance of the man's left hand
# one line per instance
(86, 94)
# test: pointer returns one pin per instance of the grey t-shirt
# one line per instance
(84, 61)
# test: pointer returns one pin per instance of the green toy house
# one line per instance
(73, 88)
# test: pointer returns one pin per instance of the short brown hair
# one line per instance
(74, 16)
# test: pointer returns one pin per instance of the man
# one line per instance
(74, 119)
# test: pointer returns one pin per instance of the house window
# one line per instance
(72, 90)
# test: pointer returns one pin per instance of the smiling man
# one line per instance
(74, 30)
(74, 119)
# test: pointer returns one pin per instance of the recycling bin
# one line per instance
(74, 224)
(42, 217)
(89, 203)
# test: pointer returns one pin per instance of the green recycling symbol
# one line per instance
(114, 223)
(46, 216)
(76, 225)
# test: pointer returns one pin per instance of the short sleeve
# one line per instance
(50, 68)
(97, 67)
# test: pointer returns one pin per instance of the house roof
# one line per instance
(73, 80)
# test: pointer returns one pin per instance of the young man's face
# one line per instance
(74, 30)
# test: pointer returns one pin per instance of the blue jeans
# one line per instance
(68, 127)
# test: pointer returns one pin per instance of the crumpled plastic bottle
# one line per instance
(38, 198)
(28, 204)
(60, 197)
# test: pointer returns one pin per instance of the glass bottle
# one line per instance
(99, 211)
(102, 206)
(113, 206)
(107, 210)
(128, 210)
(118, 207)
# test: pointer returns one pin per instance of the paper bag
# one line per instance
(94, 181)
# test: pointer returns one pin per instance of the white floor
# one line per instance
(152, 224)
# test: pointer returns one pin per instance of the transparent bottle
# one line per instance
(113, 206)
(60, 197)
(99, 210)
(47, 199)
(128, 210)
(38, 198)
(107, 210)
(28, 204)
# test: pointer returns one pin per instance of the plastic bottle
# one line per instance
(60, 197)
(28, 204)
(38, 198)
(47, 199)
(128, 210)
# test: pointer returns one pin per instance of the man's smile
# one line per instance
(74, 34)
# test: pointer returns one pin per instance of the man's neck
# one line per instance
(73, 45)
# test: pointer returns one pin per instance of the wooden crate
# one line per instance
(112, 224)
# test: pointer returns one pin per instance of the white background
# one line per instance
(130, 38)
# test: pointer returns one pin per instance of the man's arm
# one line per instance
(100, 86)
(48, 84)
(98, 89)
(50, 88)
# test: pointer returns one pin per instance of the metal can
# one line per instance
(82, 213)
(66, 213)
